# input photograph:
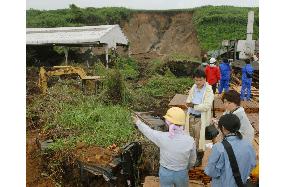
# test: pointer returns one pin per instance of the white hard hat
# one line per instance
(212, 60)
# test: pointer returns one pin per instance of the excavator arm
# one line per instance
(45, 73)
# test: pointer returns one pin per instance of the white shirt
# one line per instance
(197, 99)
(177, 153)
(246, 128)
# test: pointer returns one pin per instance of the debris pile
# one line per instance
(198, 174)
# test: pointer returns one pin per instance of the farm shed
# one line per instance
(108, 36)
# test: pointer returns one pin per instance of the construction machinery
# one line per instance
(46, 72)
(122, 171)
(239, 50)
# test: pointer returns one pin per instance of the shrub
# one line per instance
(159, 86)
(128, 67)
(115, 89)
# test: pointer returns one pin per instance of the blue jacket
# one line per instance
(247, 70)
(219, 167)
(225, 71)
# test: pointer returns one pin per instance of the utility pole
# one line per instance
(250, 25)
(249, 45)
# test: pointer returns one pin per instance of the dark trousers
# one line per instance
(214, 88)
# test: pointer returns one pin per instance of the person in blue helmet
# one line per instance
(247, 73)
(225, 70)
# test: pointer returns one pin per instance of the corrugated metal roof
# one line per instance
(107, 34)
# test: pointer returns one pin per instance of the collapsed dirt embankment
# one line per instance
(163, 33)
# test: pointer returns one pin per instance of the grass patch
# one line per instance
(128, 67)
(94, 124)
(166, 86)
(76, 16)
(155, 94)
(68, 116)
(115, 89)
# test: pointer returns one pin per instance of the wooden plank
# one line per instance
(153, 122)
(179, 100)
(153, 181)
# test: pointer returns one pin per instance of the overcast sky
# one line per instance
(136, 4)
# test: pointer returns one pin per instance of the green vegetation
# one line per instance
(75, 16)
(93, 123)
(99, 69)
(128, 67)
(70, 117)
(215, 24)
(158, 90)
(115, 89)
(166, 86)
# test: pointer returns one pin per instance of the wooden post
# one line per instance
(42, 83)
(106, 48)
(66, 55)
(235, 50)
(84, 86)
(227, 55)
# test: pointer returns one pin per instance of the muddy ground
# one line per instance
(35, 176)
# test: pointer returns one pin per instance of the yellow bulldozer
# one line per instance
(46, 72)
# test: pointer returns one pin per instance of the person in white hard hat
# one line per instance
(212, 74)
(212, 77)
